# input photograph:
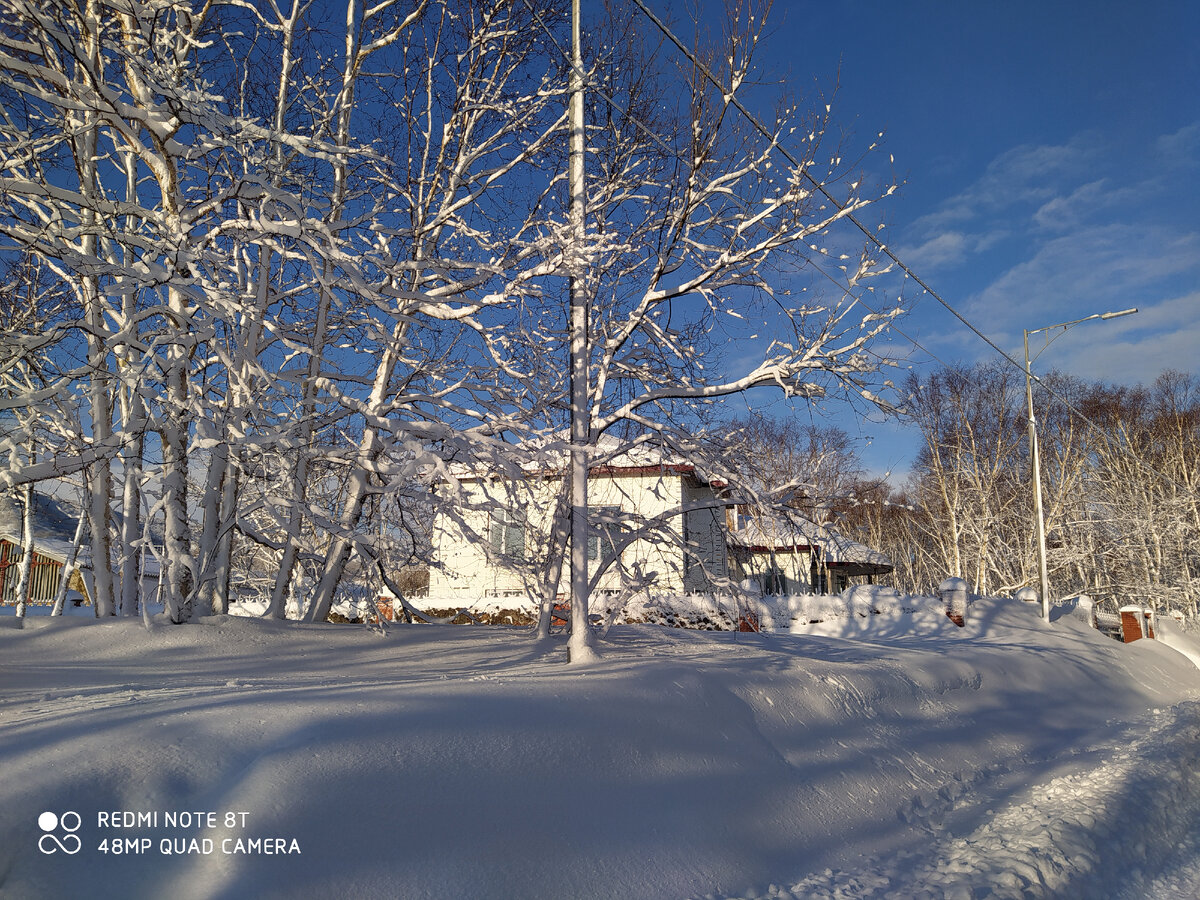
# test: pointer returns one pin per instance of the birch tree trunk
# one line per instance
(64, 584)
(344, 109)
(99, 475)
(26, 568)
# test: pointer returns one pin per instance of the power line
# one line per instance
(733, 100)
(677, 154)
(841, 207)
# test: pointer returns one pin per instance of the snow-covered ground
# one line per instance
(885, 755)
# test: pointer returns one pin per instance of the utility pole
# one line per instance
(1034, 461)
(1036, 475)
(580, 644)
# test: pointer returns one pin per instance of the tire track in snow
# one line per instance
(1121, 827)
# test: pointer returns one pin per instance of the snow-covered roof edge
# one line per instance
(780, 533)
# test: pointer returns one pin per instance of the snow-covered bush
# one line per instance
(707, 612)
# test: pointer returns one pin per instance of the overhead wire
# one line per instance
(677, 154)
(734, 101)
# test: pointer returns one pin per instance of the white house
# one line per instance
(656, 521)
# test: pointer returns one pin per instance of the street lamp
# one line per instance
(1035, 463)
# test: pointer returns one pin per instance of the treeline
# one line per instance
(267, 273)
(1120, 482)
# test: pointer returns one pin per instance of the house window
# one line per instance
(818, 579)
(507, 534)
(773, 582)
(602, 532)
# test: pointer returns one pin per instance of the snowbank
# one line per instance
(1009, 756)
(714, 612)
(1168, 632)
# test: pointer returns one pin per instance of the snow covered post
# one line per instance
(1026, 594)
(953, 592)
(1085, 608)
(1131, 624)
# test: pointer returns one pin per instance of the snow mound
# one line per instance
(1067, 836)
(891, 758)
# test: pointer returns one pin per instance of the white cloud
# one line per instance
(1078, 273)
(949, 247)
(1082, 237)
(1027, 188)
(1181, 149)
(1080, 207)
(1135, 349)
(1024, 176)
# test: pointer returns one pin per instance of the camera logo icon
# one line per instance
(50, 842)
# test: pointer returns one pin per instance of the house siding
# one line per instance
(775, 571)
(464, 570)
(44, 577)
(705, 534)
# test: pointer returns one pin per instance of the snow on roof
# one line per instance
(53, 528)
(551, 453)
(54, 549)
(792, 532)
(54, 523)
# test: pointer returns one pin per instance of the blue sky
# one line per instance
(1049, 155)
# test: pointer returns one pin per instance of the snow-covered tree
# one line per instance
(261, 273)
(306, 270)
(1145, 490)
(1119, 484)
(691, 217)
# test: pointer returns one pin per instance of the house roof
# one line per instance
(549, 455)
(53, 528)
(54, 523)
(794, 533)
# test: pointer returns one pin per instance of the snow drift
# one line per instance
(889, 755)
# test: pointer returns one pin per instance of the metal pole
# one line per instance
(1034, 459)
(579, 645)
(1036, 469)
